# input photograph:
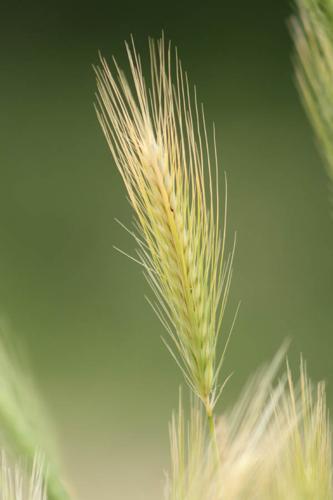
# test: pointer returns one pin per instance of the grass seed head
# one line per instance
(158, 137)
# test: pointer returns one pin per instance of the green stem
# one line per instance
(212, 432)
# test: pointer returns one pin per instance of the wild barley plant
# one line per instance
(276, 442)
(159, 141)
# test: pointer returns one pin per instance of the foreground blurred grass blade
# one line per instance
(18, 484)
(23, 426)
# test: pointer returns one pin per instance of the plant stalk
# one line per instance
(213, 437)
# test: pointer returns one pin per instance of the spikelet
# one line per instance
(274, 444)
(159, 142)
(312, 30)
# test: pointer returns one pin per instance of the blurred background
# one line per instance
(78, 305)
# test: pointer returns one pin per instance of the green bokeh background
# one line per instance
(78, 305)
